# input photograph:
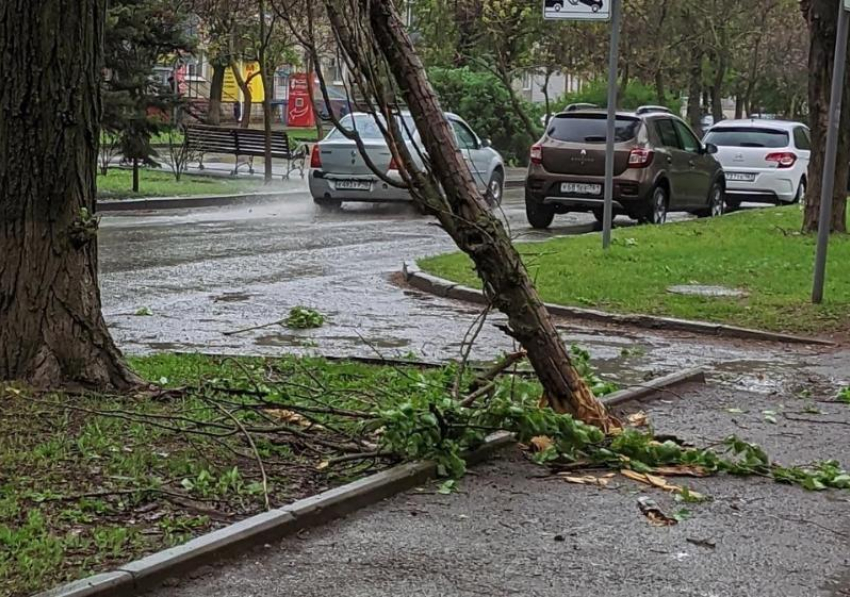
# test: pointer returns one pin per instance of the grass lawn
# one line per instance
(89, 482)
(759, 251)
(118, 184)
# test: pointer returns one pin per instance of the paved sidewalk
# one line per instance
(513, 531)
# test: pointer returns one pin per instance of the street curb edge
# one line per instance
(446, 289)
(188, 202)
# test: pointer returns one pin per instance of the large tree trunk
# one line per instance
(717, 87)
(660, 89)
(695, 89)
(52, 332)
(247, 100)
(822, 17)
(216, 90)
(466, 217)
(265, 69)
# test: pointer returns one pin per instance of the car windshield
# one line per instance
(590, 128)
(368, 128)
(747, 137)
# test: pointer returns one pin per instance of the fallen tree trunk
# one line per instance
(461, 209)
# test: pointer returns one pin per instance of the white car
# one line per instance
(765, 161)
(338, 173)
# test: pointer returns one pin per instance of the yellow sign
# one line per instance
(232, 93)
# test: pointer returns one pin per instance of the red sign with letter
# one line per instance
(300, 112)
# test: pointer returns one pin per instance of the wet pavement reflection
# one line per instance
(204, 273)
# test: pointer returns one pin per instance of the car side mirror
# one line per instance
(710, 148)
(485, 143)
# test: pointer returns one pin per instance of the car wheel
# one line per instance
(327, 204)
(801, 192)
(496, 189)
(656, 211)
(540, 216)
(716, 202)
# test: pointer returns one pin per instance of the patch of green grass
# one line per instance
(118, 184)
(89, 482)
(758, 251)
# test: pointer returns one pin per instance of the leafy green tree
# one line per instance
(139, 34)
(480, 98)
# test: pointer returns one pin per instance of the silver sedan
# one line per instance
(338, 173)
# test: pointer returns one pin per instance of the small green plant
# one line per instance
(447, 487)
(844, 395)
(143, 312)
(304, 318)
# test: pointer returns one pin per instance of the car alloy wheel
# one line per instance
(659, 206)
(718, 201)
(496, 189)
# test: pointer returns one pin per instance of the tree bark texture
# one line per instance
(265, 75)
(52, 332)
(695, 90)
(216, 90)
(466, 217)
(822, 17)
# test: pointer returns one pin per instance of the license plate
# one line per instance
(353, 185)
(577, 188)
(741, 176)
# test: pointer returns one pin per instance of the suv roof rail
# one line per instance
(651, 109)
(580, 106)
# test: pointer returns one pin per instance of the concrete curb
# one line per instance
(145, 574)
(653, 388)
(189, 202)
(447, 289)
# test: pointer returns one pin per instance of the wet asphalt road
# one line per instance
(508, 532)
(514, 531)
(207, 272)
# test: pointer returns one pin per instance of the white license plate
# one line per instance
(741, 177)
(577, 188)
(353, 185)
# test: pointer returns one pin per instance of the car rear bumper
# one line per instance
(327, 186)
(769, 186)
(576, 203)
(630, 190)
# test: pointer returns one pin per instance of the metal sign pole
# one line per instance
(828, 185)
(613, 66)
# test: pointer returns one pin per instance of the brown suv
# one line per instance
(660, 165)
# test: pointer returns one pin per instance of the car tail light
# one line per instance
(316, 157)
(536, 154)
(640, 157)
(393, 164)
(783, 159)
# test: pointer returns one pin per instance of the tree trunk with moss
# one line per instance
(470, 222)
(52, 331)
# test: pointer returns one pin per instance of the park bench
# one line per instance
(249, 143)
